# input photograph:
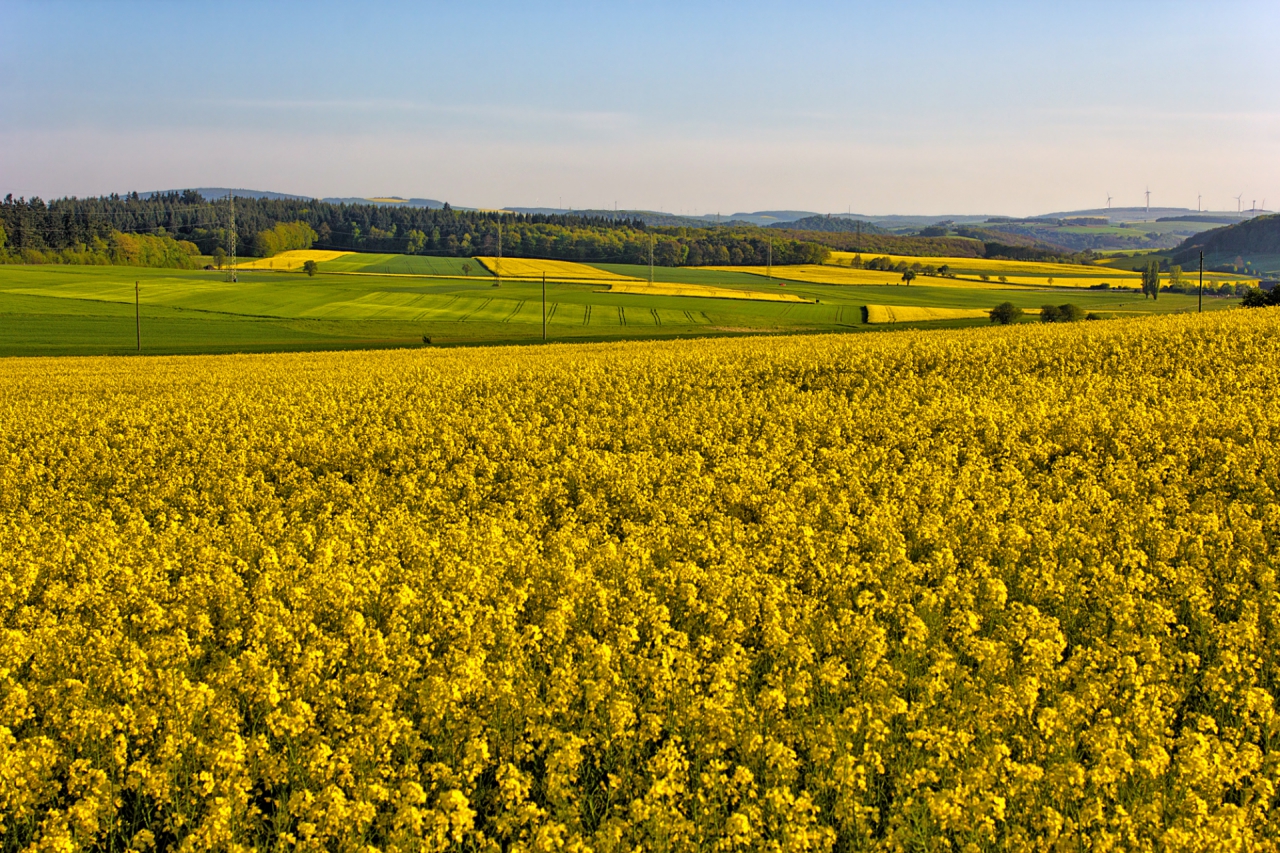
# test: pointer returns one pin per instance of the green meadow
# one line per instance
(65, 310)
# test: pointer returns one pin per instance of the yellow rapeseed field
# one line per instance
(290, 260)
(991, 589)
(704, 290)
(532, 269)
(917, 313)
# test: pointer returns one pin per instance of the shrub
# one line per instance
(1256, 297)
(1006, 313)
(1070, 313)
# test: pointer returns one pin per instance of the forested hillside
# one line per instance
(888, 244)
(1253, 237)
(837, 224)
(84, 231)
(37, 230)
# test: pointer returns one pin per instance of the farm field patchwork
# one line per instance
(63, 309)
(990, 589)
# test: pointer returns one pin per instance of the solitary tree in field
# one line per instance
(309, 267)
(219, 257)
(1151, 280)
(1006, 313)
(908, 276)
(466, 269)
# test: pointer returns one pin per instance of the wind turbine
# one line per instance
(1198, 203)
(1108, 201)
(1238, 202)
(1148, 201)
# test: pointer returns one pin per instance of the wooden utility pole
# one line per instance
(137, 315)
(544, 307)
(1201, 308)
(497, 268)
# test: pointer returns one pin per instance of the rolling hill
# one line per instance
(1252, 245)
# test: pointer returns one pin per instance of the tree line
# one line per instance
(70, 228)
(116, 247)
(263, 227)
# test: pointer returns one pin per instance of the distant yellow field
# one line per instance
(1021, 273)
(388, 200)
(832, 274)
(986, 265)
(532, 269)
(643, 288)
(291, 260)
(914, 314)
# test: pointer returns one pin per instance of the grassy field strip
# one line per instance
(705, 291)
(880, 314)
(459, 277)
(291, 260)
(1032, 272)
(521, 269)
(983, 265)
(1079, 281)
(829, 274)
(418, 265)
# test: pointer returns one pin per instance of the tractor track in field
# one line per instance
(586, 315)
(483, 305)
(519, 307)
(622, 316)
(552, 313)
(440, 311)
(657, 321)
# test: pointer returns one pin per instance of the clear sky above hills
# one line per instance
(903, 107)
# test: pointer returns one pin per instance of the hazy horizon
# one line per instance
(923, 108)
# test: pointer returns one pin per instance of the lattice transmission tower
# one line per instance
(231, 270)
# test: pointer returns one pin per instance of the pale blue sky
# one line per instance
(903, 107)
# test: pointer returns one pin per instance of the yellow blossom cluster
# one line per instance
(989, 589)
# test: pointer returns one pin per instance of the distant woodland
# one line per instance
(184, 230)
(174, 228)
(1257, 236)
